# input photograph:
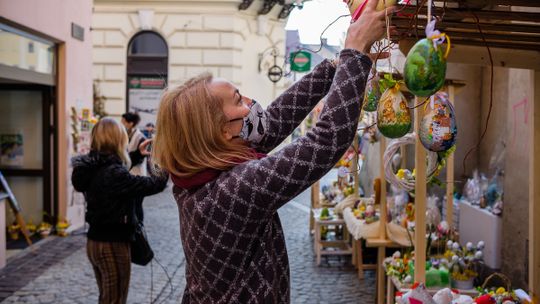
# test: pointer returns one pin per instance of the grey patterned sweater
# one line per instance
(230, 230)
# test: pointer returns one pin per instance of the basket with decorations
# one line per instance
(499, 294)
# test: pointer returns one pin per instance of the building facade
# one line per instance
(139, 47)
(45, 72)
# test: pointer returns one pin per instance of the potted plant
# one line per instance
(31, 227)
(13, 231)
(463, 262)
(44, 229)
(61, 228)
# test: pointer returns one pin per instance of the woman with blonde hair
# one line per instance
(210, 138)
(111, 193)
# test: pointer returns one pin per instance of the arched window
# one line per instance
(147, 61)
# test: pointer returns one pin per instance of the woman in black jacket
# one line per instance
(111, 193)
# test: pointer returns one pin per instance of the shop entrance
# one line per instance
(27, 155)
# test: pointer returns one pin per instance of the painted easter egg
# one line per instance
(393, 114)
(438, 129)
(425, 68)
(372, 94)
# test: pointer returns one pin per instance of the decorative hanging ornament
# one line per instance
(393, 114)
(438, 130)
(425, 66)
(372, 93)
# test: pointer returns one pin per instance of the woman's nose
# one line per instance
(248, 101)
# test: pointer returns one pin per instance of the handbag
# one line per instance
(141, 252)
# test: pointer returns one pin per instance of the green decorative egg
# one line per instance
(425, 68)
(393, 114)
(372, 94)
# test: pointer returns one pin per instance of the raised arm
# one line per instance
(262, 186)
(293, 105)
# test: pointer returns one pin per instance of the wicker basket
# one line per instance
(505, 280)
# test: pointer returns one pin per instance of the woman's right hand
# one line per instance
(370, 27)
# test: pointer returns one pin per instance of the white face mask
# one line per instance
(254, 124)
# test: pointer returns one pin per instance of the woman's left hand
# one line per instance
(144, 147)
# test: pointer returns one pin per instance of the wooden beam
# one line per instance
(450, 173)
(534, 187)
(485, 25)
(527, 3)
(354, 167)
(462, 13)
(503, 45)
(478, 55)
(507, 37)
(382, 216)
(419, 201)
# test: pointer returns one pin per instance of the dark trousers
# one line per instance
(112, 266)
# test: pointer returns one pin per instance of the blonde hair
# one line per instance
(108, 136)
(189, 131)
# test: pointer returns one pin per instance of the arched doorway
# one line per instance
(147, 61)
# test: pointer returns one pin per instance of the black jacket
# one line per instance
(111, 192)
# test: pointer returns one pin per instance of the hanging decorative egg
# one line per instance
(372, 94)
(425, 66)
(393, 114)
(438, 130)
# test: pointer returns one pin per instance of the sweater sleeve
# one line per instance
(129, 185)
(293, 105)
(262, 186)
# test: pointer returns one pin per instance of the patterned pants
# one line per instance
(112, 266)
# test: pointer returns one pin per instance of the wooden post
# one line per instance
(354, 166)
(450, 173)
(315, 203)
(382, 218)
(382, 227)
(419, 201)
(534, 189)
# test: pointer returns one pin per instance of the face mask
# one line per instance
(254, 123)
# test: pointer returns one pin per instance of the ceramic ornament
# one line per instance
(393, 114)
(425, 66)
(438, 129)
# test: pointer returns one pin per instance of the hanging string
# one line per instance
(321, 45)
(490, 94)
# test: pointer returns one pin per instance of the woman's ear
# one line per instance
(227, 133)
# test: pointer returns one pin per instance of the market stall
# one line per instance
(465, 24)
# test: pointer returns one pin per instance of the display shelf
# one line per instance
(329, 247)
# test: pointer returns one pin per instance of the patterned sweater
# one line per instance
(230, 230)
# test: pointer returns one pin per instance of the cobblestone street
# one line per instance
(52, 276)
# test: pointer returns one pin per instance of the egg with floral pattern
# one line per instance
(393, 114)
(438, 129)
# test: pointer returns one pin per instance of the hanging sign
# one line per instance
(275, 73)
(300, 61)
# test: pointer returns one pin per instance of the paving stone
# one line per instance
(52, 275)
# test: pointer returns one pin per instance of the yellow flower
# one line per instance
(401, 174)
(500, 290)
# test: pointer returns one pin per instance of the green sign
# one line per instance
(300, 61)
